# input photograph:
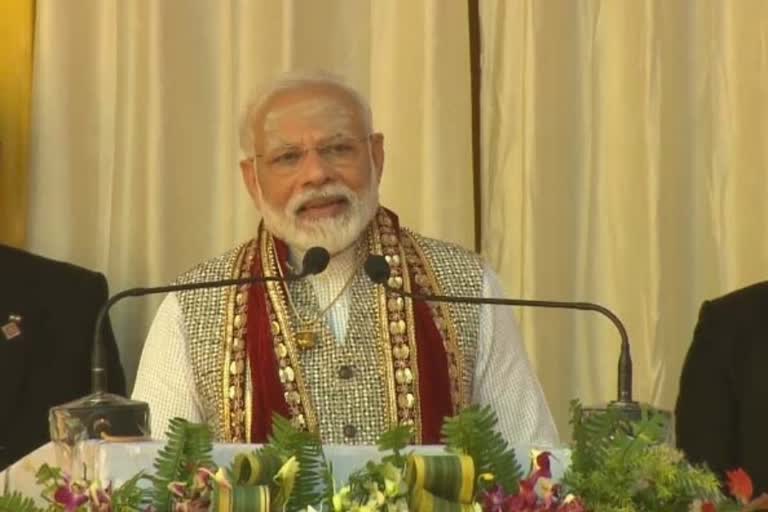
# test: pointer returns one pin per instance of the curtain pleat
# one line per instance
(136, 110)
(623, 163)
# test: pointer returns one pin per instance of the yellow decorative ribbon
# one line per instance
(441, 483)
(252, 477)
(241, 498)
(255, 468)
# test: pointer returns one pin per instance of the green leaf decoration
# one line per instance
(395, 440)
(473, 432)
(256, 468)
(311, 486)
(46, 474)
(15, 502)
(188, 448)
(130, 496)
(623, 466)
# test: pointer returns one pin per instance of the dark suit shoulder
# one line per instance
(22, 267)
(749, 304)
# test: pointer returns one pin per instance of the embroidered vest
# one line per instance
(242, 343)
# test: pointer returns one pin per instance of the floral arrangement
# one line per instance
(63, 493)
(616, 466)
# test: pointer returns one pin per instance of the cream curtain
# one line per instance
(624, 162)
(135, 112)
(622, 145)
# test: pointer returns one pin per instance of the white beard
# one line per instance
(334, 234)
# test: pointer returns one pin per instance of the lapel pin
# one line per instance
(12, 329)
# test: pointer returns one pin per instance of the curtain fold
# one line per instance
(623, 163)
(17, 26)
(136, 110)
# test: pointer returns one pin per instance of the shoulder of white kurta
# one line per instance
(213, 268)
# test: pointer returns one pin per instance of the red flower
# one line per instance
(740, 485)
(495, 500)
(527, 495)
(543, 464)
(708, 506)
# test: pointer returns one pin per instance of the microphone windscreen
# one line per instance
(377, 268)
(315, 261)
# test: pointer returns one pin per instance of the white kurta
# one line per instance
(503, 375)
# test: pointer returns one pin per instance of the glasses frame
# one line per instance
(305, 150)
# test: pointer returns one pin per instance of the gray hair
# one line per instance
(292, 81)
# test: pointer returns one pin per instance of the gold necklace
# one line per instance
(306, 335)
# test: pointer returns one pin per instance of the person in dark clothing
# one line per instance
(722, 409)
(47, 318)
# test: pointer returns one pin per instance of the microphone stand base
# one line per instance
(99, 416)
(630, 411)
(627, 410)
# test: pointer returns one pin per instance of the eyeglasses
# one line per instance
(337, 152)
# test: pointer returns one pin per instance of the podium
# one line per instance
(117, 462)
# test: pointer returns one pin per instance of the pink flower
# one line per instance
(71, 496)
(548, 491)
(203, 478)
(196, 505)
(542, 466)
(495, 500)
(525, 500)
(178, 489)
(537, 493)
(101, 499)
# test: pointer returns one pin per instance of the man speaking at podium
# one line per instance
(333, 352)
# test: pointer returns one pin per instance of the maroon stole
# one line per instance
(437, 380)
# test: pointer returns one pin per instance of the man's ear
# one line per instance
(377, 153)
(248, 170)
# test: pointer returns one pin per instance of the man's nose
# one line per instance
(315, 169)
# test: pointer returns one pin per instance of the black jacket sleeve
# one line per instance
(706, 411)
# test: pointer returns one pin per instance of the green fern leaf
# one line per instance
(15, 502)
(395, 440)
(46, 475)
(622, 465)
(188, 447)
(310, 488)
(473, 432)
(130, 496)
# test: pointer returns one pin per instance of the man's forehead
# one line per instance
(311, 105)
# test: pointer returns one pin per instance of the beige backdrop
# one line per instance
(625, 162)
(135, 112)
(622, 146)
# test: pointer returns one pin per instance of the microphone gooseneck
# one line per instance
(314, 262)
(377, 269)
(102, 413)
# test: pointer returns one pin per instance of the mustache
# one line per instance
(332, 192)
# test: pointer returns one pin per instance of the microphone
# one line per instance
(112, 415)
(315, 261)
(377, 269)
